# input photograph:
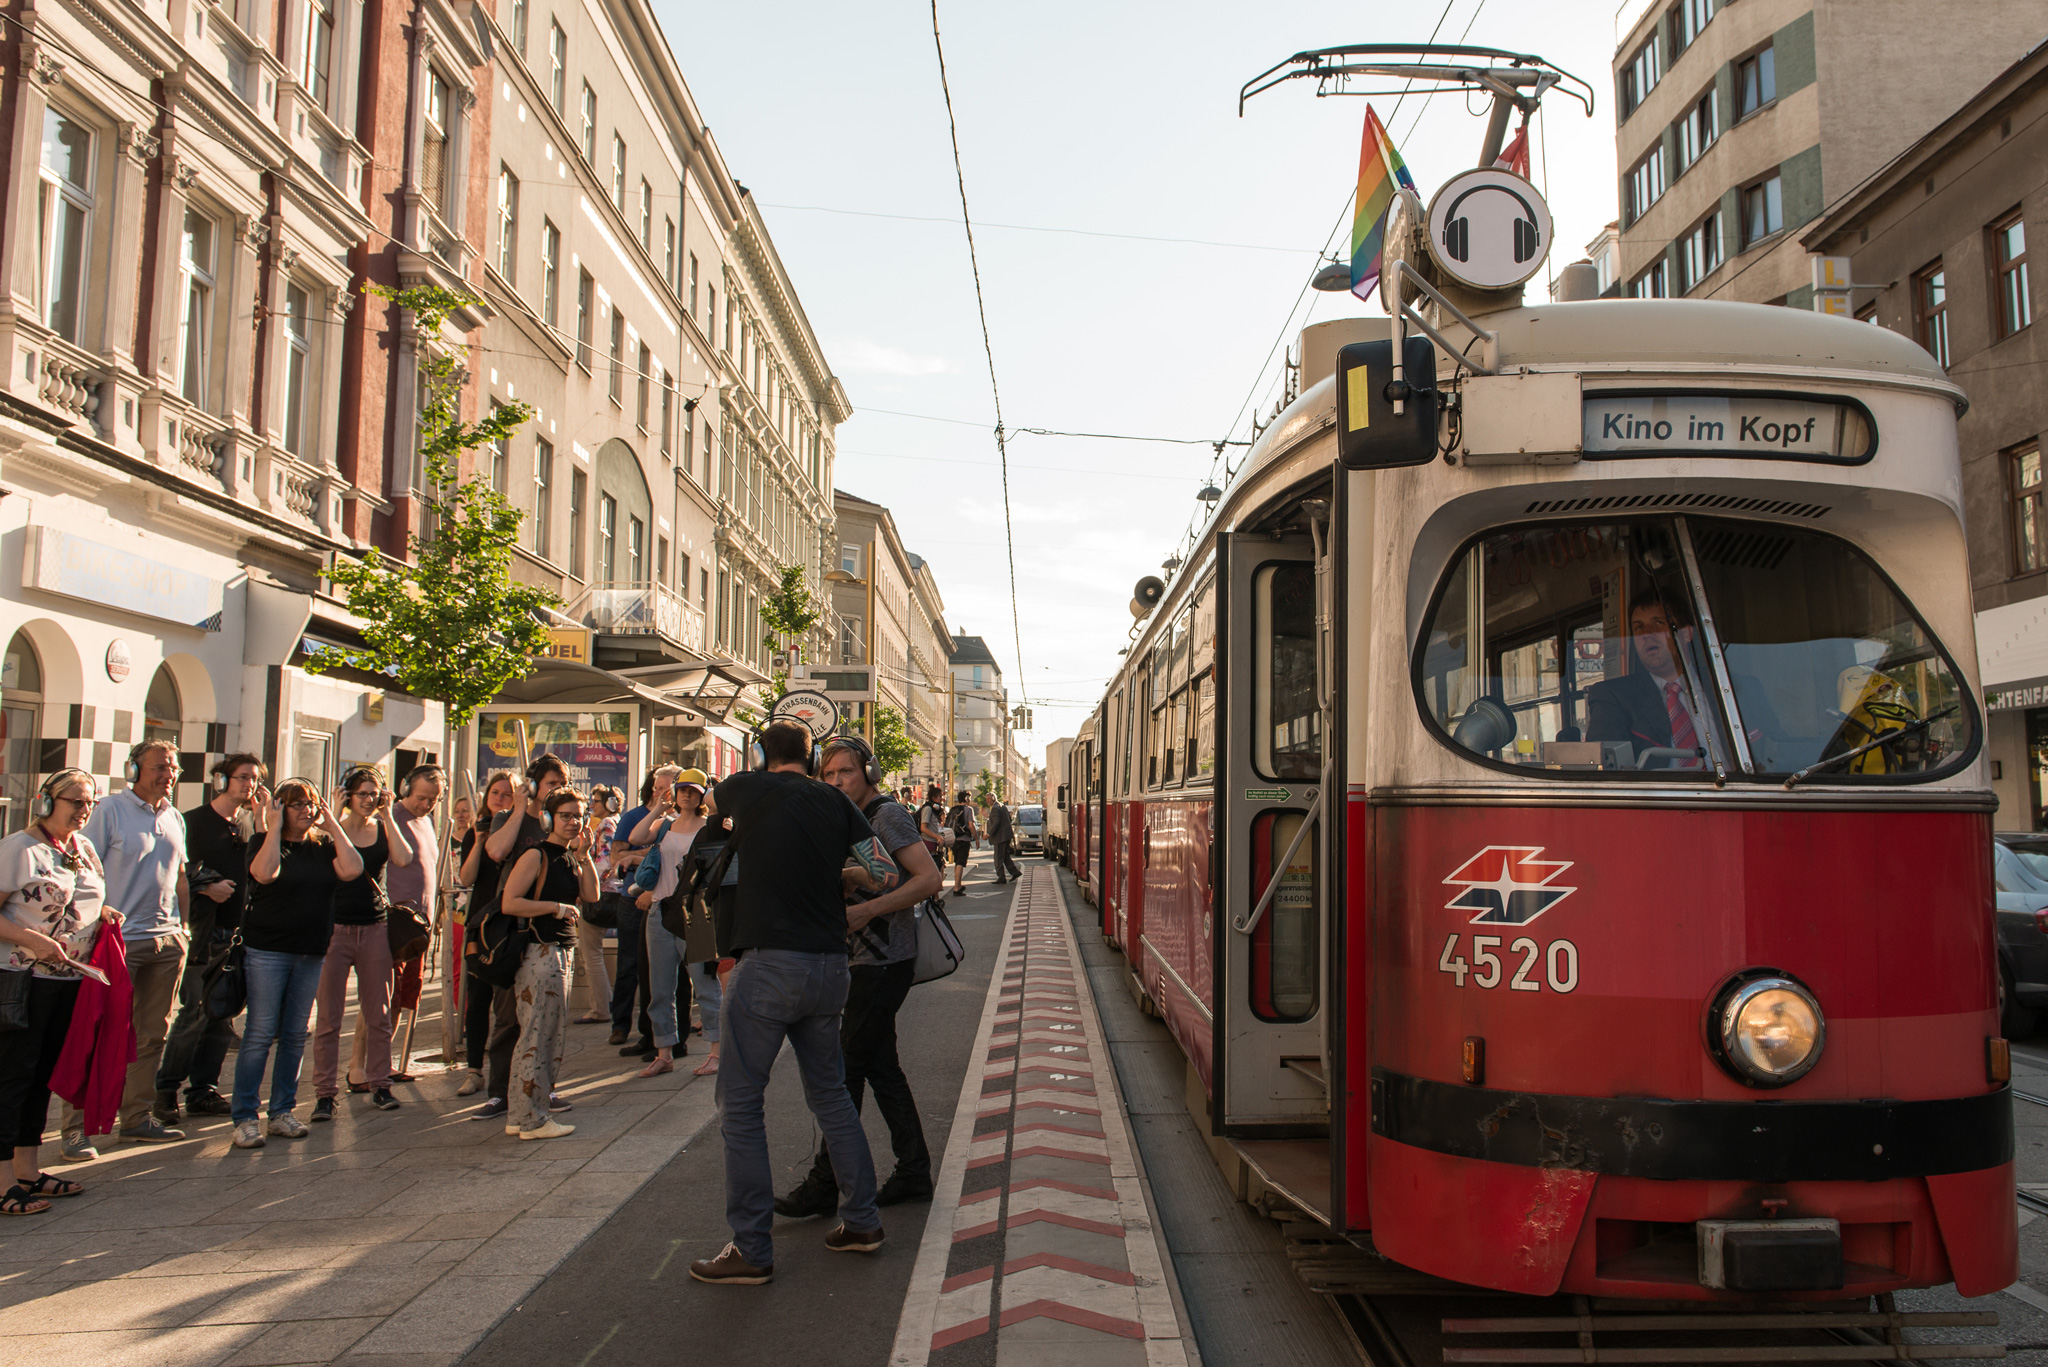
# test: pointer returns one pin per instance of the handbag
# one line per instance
(603, 913)
(224, 987)
(939, 950)
(501, 941)
(14, 998)
(410, 931)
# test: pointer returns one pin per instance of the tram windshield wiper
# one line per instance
(1886, 739)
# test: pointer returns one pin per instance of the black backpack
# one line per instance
(963, 822)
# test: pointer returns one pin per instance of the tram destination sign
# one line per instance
(1753, 425)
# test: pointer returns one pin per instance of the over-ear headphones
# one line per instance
(757, 758)
(871, 768)
(45, 804)
(132, 768)
(357, 775)
(1458, 231)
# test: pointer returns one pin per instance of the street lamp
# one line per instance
(1335, 278)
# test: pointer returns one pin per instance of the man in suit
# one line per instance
(1654, 705)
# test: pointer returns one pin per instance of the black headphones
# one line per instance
(871, 768)
(1458, 231)
(46, 798)
(540, 766)
(355, 776)
(757, 758)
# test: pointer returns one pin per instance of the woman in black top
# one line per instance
(544, 885)
(361, 945)
(305, 855)
(478, 872)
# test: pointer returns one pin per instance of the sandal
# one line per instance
(658, 1067)
(592, 1019)
(707, 1067)
(49, 1184)
(19, 1200)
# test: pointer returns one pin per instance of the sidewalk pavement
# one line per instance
(385, 1239)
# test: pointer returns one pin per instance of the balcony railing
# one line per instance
(642, 610)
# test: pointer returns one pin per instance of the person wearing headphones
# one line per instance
(416, 883)
(217, 836)
(140, 837)
(512, 834)
(543, 886)
(55, 904)
(667, 861)
(360, 945)
(882, 945)
(792, 837)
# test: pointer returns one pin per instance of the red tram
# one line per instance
(1564, 859)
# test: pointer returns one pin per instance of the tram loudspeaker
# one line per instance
(1771, 1255)
(1370, 435)
(1146, 596)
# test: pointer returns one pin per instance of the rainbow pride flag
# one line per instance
(1381, 172)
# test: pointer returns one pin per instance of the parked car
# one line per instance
(2019, 869)
(1031, 829)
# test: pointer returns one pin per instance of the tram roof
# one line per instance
(1646, 333)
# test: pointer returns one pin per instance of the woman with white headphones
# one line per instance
(55, 905)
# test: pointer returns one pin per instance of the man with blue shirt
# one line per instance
(140, 837)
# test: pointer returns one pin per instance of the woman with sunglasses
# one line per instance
(305, 857)
(55, 905)
(360, 945)
(544, 885)
(478, 873)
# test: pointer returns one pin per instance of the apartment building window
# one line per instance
(65, 206)
(1641, 75)
(1652, 283)
(693, 279)
(579, 484)
(640, 395)
(550, 273)
(1699, 253)
(647, 215)
(589, 125)
(668, 253)
(2029, 526)
(298, 357)
(1763, 211)
(501, 460)
(434, 158)
(1697, 130)
(2009, 259)
(1756, 82)
(1646, 183)
(703, 590)
(543, 493)
(849, 641)
(683, 575)
(618, 358)
(711, 312)
(1930, 312)
(724, 596)
(668, 408)
(607, 539)
(519, 27)
(558, 68)
(1689, 18)
(586, 288)
(317, 69)
(508, 225)
(728, 324)
(636, 551)
(619, 172)
(661, 559)
(195, 318)
(849, 560)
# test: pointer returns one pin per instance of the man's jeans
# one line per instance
(772, 995)
(867, 1040)
(198, 1044)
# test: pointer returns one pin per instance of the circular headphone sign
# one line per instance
(1489, 229)
(812, 710)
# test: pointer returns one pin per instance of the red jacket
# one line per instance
(92, 1072)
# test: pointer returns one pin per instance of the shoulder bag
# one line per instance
(939, 950)
(702, 893)
(14, 984)
(224, 987)
(410, 931)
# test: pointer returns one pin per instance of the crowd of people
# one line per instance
(780, 903)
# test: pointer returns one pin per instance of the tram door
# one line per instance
(1269, 998)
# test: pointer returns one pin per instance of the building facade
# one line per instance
(1937, 246)
(981, 715)
(1739, 121)
(888, 618)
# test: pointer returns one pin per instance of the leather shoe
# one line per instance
(617, 1037)
(730, 1269)
(807, 1200)
(208, 1103)
(900, 1188)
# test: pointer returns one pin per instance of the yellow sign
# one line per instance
(1359, 397)
(566, 643)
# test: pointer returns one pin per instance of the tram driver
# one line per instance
(1654, 705)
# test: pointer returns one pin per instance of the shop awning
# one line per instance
(708, 685)
(564, 683)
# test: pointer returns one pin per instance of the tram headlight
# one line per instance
(1770, 1030)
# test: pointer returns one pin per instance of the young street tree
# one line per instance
(787, 615)
(894, 749)
(454, 625)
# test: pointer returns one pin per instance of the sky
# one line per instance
(1115, 124)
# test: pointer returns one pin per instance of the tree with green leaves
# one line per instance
(987, 787)
(894, 749)
(453, 625)
(788, 614)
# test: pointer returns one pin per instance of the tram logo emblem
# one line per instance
(1508, 885)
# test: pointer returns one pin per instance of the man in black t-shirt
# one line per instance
(792, 839)
(217, 857)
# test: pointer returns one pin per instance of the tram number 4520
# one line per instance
(1488, 969)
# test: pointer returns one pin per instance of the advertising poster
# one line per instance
(593, 745)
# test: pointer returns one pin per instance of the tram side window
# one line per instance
(1286, 726)
(1286, 947)
(1202, 750)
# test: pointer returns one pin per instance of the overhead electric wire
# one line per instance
(1035, 228)
(988, 348)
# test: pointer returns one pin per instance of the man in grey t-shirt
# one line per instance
(882, 943)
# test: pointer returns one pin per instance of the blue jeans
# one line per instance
(772, 995)
(282, 988)
(664, 969)
(704, 978)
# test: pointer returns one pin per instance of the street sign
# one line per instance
(1489, 229)
(811, 710)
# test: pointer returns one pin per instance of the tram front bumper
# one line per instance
(1770, 1255)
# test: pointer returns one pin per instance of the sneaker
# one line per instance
(844, 1240)
(492, 1109)
(809, 1198)
(558, 1102)
(248, 1135)
(554, 1129)
(323, 1110)
(472, 1083)
(730, 1269)
(285, 1125)
(900, 1188)
(150, 1130)
(208, 1102)
(166, 1107)
(383, 1100)
(77, 1149)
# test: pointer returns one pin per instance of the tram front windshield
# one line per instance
(1688, 648)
